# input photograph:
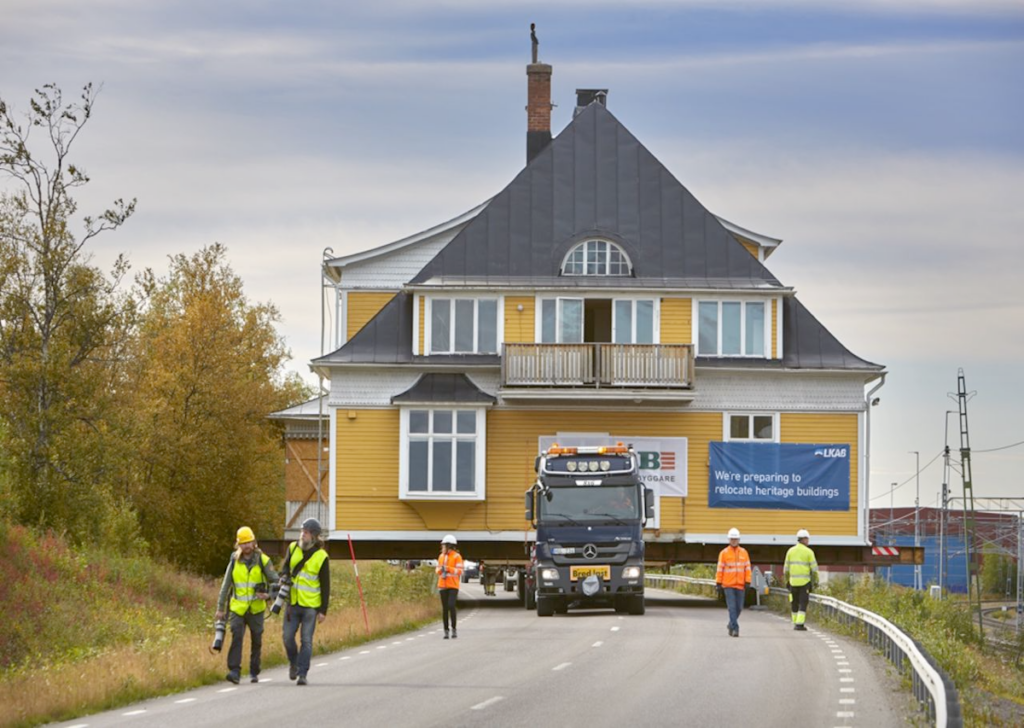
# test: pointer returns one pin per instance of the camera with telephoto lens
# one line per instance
(284, 589)
(218, 635)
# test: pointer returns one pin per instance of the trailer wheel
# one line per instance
(620, 605)
(521, 588)
(545, 607)
(636, 605)
(531, 599)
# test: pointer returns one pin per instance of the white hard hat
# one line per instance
(734, 533)
(802, 533)
(449, 539)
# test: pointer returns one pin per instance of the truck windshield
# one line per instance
(614, 503)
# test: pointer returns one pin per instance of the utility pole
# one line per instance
(944, 513)
(892, 523)
(1020, 572)
(917, 516)
(973, 579)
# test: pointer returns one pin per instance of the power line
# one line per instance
(996, 449)
(897, 487)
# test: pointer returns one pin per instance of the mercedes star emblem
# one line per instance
(590, 551)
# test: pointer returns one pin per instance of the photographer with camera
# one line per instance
(307, 569)
(246, 581)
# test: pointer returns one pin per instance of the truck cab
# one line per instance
(589, 508)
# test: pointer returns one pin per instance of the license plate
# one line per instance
(582, 572)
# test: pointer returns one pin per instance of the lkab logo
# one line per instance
(657, 460)
(830, 452)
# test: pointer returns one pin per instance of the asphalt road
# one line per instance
(676, 665)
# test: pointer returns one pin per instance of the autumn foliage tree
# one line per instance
(62, 323)
(207, 364)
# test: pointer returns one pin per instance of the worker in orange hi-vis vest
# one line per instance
(733, 578)
(449, 577)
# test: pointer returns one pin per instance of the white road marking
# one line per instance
(382, 647)
(847, 690)
(836, 650)
(847, 701)
(134, 712)
(227, 690)
(598, 643)
(615, 629)
(79, 725)
(842, 664)
(365, 652)
(845, 669)
(179, 702)
(562, 666)
(346, 657)
(845, 714)
(846, 679)
(409, 639)
(487, 703)
(395, 643)
(266, 679)
(321, 664)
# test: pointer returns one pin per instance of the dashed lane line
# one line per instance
(597, 644)
(179, 702)
(845, 714)
(615, 629)
(561, 667)
(227, 690)
(847, 690)
(364, 652)
(134, 712)
(320, 664)
(487, 703)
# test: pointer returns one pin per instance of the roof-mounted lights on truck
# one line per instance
(617, 449)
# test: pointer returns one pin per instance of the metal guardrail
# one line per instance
(931, 686)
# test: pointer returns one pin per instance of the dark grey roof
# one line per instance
(443, 388)
(807, 344)
(596, 179)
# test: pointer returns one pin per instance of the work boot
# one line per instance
(446, 635)
(455, 635)
(302, 680)
(254, 678)
(232, 677)
(293, 672)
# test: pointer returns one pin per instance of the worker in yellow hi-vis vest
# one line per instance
(801, 574)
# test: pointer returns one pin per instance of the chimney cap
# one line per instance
(587, 96)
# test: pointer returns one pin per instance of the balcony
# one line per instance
(597, 371)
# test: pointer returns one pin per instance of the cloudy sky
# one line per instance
(882, 140)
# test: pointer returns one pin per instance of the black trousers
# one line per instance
(448, 606)
(238, 625)
(801, 597)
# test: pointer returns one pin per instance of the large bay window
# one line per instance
(731, 328)
(463, 326)
(442, 453)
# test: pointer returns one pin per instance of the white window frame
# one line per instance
(607, 256)
(480, 458)
(428, 322)
(727, 429)
(655, 316)
(766, 335)
(538, 313)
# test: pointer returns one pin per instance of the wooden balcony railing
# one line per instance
(597, 365)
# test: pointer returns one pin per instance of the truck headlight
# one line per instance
(631, 572)
(549, 574)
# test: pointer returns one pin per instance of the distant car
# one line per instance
(470, 570)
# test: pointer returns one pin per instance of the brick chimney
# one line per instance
(538, 103)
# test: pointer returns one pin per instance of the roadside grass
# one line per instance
(87, 631)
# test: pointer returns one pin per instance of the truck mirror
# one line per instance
(529, 505)
(649, 504)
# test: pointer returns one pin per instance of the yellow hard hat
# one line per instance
(245, 535)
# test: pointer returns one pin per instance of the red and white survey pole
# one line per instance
(359, 584)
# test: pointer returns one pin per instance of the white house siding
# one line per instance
(391, 271)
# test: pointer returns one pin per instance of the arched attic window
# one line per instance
(596, 258)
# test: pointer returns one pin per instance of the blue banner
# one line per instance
(780, 476)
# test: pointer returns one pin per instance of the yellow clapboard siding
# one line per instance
(676, 321)
(519, 325)
(364, 502)
(423, 319)
(776, 354)
(794, 428)
(512, 437)
(363, 306)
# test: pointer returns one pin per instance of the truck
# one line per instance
(589, 507)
